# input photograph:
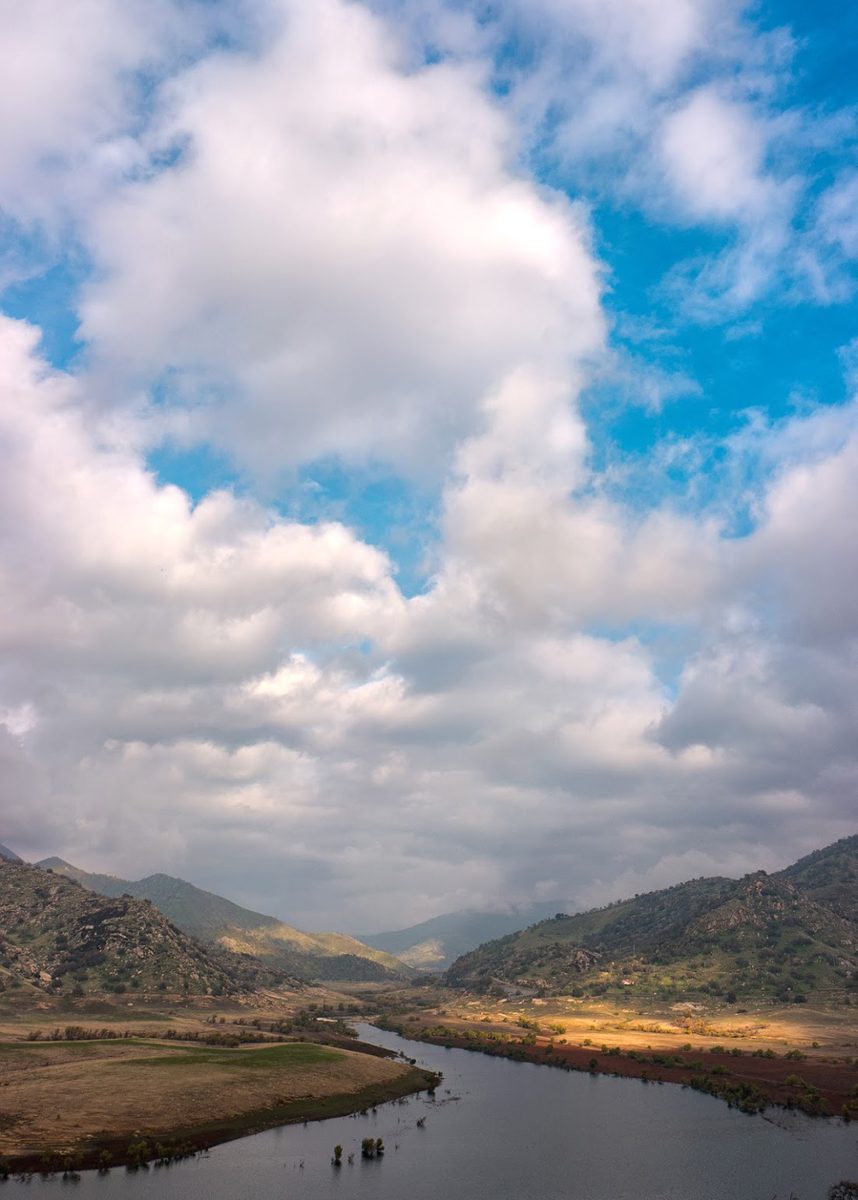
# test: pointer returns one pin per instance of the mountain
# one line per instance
(764, 936)
(830, 876)
(433, 945)
(59, 936)
(219, 922)
(9, 855)
(201, 914)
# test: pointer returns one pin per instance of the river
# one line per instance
(501, 1130)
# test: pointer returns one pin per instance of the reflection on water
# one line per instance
(500, 1130)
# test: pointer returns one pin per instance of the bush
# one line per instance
(846, 1189)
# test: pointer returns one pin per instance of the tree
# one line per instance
(846, 1189)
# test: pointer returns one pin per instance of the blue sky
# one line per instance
(433, 423)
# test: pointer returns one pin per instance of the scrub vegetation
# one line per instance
(788, 939)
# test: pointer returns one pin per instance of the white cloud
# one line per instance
(183, 685)
(348, 259)
(806, 553)
(683, 111)
(69, 79)
(713, 154)
(519, 516)
(838, 221)
(649, 41)
(344, 259)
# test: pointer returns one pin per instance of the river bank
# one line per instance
(68, 1106)
(750, 1080)
(496, 1129)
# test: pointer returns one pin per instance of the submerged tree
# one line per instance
(846, 1189)
(372, 1148)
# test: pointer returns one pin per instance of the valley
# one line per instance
(118, 1025)
(224, 925)
(117, 1028)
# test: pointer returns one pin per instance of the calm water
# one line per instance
(499, 1130)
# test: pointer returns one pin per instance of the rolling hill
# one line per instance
(783, 937)
(219, 922)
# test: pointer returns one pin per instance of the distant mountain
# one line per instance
(434, 944)
(217, 921)
(9, 855)
(783, 937)
(830, 876)
(57, 935)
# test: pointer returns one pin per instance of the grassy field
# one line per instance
(70, 1100)
(63, 1097)
(755, 1026)
(753, 1056)
(267, 1058)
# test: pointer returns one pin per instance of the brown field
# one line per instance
(65, 1098)
(757, 1026)
(573, 1033)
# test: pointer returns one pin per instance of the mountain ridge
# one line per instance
(214, 920)
(830, 875)
(55, 934)
(770, 936)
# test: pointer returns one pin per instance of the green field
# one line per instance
(268, 1058)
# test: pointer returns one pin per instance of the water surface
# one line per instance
(501, 1130)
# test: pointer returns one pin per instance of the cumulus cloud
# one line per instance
(686, 111)
(518, 512)
(326, 243)
(70, 76)
(344, 258)
(179, 678)
(712, 153)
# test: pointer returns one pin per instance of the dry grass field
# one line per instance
(753, 1056)
(63, 1096)
(754, 1027)
(139, 1073)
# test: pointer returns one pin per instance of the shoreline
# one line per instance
(137, 1149)
(750, 1082)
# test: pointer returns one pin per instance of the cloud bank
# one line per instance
(306, 243)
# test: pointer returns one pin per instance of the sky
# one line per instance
(428, 445)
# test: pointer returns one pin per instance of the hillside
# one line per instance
(201, 914)
(758, 937)
(219, 922)
(830, 876)
(59, 937)
(435, 944)
(8, 855)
